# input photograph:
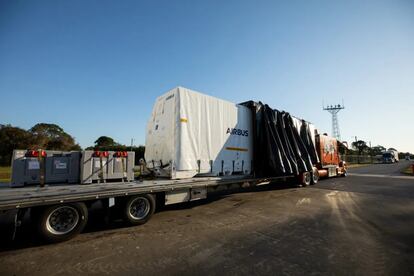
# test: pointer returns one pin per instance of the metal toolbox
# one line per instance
(53, 166)
(103, 166)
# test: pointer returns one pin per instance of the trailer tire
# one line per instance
(306, 179)
(61, 222)
(139, 209)
(315, 176)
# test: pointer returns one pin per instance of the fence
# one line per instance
(361, 159)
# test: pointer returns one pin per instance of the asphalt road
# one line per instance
(382, 169)
(359, 225)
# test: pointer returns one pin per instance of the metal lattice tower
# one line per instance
(334, 109)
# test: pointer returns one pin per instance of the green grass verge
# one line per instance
(357, 165)
(408, 170)
(5, 174)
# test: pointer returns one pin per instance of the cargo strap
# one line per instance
(41, 168)
(101, 174)
(124, 173)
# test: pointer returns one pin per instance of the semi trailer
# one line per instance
(195, 145)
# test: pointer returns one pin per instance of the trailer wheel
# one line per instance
(139, 209)
(315, 176)
(61, 222)
(306, 179)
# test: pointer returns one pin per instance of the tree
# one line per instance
(392, 149)
(12, 138)
(105, 141)
(360, 145)
(52, 137)
(402, 155)
(40, 136)
(377, 150)
(139, 153)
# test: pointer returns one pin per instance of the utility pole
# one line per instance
(334, 109)
(356, 140)
(132, 143)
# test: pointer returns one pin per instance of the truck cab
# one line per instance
(330, 162)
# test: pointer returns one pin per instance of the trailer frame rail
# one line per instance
(25, 197)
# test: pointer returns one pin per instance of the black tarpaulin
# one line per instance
(280, 148)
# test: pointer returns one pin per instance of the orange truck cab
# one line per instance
(330, 164)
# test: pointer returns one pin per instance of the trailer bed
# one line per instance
(15, 198)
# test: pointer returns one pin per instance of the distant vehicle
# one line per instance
(407, 157)
(390, 156)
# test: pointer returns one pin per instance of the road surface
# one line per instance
(382, 169)
(362, 224)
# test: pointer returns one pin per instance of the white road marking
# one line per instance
(304, 200)
(382, 175)
(333, 193)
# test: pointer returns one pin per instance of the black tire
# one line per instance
(315, 176)
(61, 222)
(139, 209)
(306, 179)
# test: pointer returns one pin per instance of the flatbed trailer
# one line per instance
(241, 142)
(60, 211)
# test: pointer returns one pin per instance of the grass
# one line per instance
(5, 174)
(357, 165)
(408, 170)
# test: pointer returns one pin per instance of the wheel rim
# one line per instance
(62, 220)
(306, 178)
(139, 208)
(315, 176)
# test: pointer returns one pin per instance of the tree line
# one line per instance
(52, 137)
(361, 147)
(105, 143)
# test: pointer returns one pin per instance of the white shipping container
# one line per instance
(190, 134)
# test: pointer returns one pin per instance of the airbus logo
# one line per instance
(237, 131)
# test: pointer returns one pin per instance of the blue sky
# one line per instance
(96, 67)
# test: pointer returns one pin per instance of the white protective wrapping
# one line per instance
(190, 134)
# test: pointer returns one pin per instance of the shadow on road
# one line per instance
(100, 220)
